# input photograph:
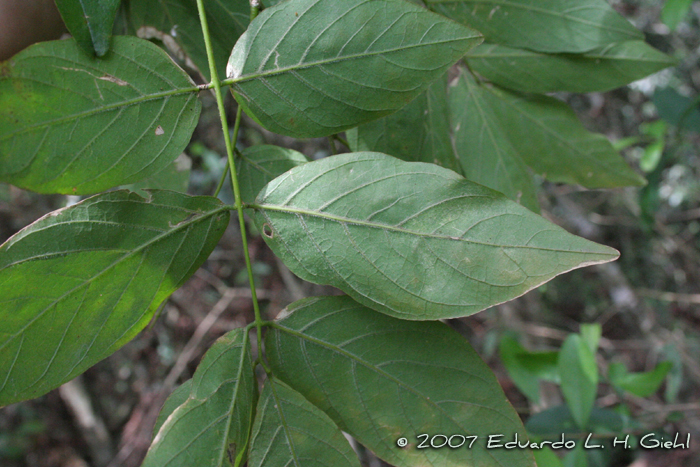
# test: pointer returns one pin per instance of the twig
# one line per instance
(199, 333)
(90, 424)
(670, 296)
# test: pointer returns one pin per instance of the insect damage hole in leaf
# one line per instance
(267, 231)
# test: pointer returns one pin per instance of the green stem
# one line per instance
(331, 143)
(254, 9)
(341, 140)
(232, 168)
(221, 181)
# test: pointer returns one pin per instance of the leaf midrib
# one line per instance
(375, 225)
(97, 110)
(301, 66)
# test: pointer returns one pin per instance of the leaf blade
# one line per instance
(74, 125)
(213, 424)
(90, 23)
(366, 223)
(485, 151)
(314, 74)
(551, 140)
(380, 379)
(579, 378)
(261, 164)
(309, 437)
(178, 397)
(598, 70)
(541, 25)
(419, 132)
(102, 268)
(180, 19)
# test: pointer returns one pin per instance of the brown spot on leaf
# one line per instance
(114, 79)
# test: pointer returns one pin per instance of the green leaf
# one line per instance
(381, 379)
(555, 421)
(412, 240)
(419, 132)
(80, 282)
(289, 430)
(541, 25)
(178, 397)
(674, 378)
(656, 131)
(598, 70)
(527, 368)
(591, 333)
(227, 20)
(546, 458)
(678, 110)
(74, 125)
(509, 349)
(674, 12)
(90, 23)
(485, 151)
(307, 68)
(552, 141)
(213, 425)
(174, 177)
(261, 164)
(640, 384)
(543, 365)
(579, 378)
(576, 458)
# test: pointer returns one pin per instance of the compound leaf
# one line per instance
(227, 20)
(419, 132)
(551, 140)
(261, 164)
(80, 282)
(542, 25)
(211, 427)
(307, 68)
(382, 379)
(598, 70)
(289, 430)
(410, 239)
(90, 23)
(485, 151)
(73, 124)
